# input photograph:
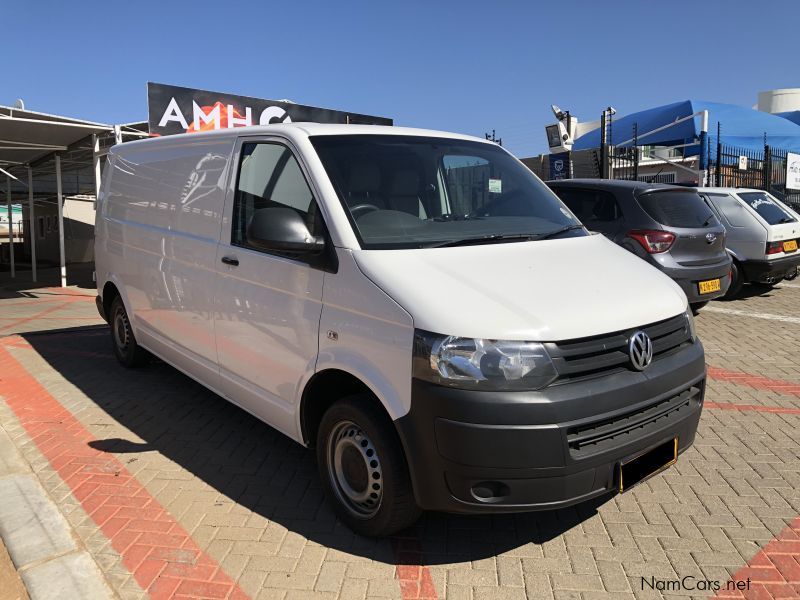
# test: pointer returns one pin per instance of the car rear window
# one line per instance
(769, 210)
(678, 209)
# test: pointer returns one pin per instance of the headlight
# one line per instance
(690, 319)
(481, 364)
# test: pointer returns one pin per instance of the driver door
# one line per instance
(268, 305)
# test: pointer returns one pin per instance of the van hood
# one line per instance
(549, 290)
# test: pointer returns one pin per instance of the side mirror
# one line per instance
(282, 229)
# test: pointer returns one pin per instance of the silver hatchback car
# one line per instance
(668, 226)
(762, 235)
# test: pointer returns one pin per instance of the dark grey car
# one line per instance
(668, 226)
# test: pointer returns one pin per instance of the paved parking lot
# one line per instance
(167, 490)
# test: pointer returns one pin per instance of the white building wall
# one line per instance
(776, 101)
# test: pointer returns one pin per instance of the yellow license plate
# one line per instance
(643, 466)
(790, 245)
(712, 285)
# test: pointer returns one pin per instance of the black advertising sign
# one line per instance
(173, 109)
(559, 166)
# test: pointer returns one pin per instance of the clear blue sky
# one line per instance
(456, 65)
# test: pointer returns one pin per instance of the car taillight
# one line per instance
(774, 248)
(653, 241)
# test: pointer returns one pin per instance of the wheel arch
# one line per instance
(322, 391)
(110, 291)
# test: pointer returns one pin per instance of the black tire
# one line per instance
(737, 280)
(696, 306)
(126, 349)
(370, 462)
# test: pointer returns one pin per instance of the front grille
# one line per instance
(610, 433)
(605, 354)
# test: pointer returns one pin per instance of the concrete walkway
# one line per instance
(10, 582)
(45, 551)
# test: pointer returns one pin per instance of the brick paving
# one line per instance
(247, 499)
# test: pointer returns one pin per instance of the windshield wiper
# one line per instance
(504, 237)
(546, 236)
(708, 220)
(497, 237)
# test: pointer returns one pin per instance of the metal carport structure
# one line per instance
(36, 150)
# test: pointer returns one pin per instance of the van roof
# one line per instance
(293, 130)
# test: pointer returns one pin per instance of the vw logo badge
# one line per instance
(640, 349)
(711, 238)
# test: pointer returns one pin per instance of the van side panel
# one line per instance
(374, 335)
(162, 214)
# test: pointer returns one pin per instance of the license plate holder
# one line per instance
(643, 466)
(790, 246)
(709, 286)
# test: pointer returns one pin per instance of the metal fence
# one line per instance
(765, 169)
(727, 165)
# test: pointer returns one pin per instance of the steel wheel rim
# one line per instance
(121, 330)
(354, 470)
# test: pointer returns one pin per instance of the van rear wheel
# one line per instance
(363, 468)
(127, 351)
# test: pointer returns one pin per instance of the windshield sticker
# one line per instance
(496, 186)
(566, 213)
(755, 203)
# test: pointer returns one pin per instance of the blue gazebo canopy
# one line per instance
(792, 115)
(741, 127)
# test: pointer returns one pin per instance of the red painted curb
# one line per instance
(161, 555)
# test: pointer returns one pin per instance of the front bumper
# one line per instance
(770, 271)
(471, 451)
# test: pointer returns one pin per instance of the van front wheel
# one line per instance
(128, 352)
(363, 468)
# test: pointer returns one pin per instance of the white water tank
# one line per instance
(777, 101)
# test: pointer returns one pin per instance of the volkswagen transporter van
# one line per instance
(763, 235)
(415, 305)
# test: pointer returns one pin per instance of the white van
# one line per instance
(416, 305)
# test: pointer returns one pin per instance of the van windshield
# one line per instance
(416, 192)
(767, 208)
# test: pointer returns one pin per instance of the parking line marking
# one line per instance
(415, 578)
(754, 407)
(754, 381)
(755, 315)
(23, 320)
(774, 572)
(117, 505)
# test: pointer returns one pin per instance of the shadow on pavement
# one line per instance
(750, 291)
(260, 468)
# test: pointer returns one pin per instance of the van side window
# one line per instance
(269, 175)
(731, 209)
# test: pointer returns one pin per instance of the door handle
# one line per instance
(231, 260)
